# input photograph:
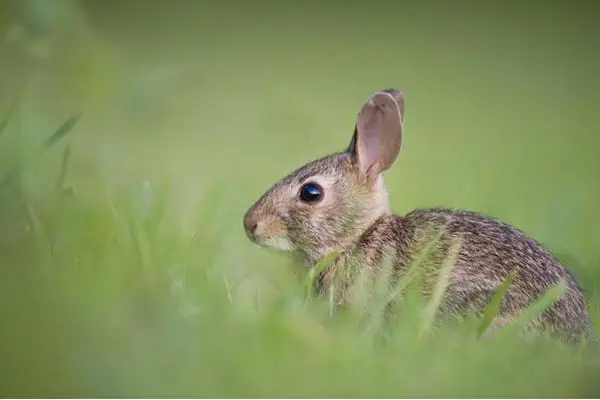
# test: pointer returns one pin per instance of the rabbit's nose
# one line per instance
(250, 225)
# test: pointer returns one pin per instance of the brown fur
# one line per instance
(353, 218)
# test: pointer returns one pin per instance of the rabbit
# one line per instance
(339, 203)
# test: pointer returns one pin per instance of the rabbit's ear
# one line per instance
(378, 133)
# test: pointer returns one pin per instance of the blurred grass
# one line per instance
(133, 276)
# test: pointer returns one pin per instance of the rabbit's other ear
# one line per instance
(378, 132)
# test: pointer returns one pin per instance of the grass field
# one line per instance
(124, 268)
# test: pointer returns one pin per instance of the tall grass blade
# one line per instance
(415, 267)
(530, 313)
(428, 317)
(59, 134)
(493, 308)
(541, 304)
(594, 322)
(314, 272)
(140, 248)
(62, 131)
(64, 166)
(378, 312)
(8, 116)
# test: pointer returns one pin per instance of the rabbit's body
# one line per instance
(489, 251)
(340, 203)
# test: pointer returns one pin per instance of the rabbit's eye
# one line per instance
(311, 192)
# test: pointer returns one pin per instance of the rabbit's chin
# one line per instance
(277, 243)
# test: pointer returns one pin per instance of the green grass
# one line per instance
(124, 268)
(493, 308)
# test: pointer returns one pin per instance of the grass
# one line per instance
(493, 308)
(124, 268)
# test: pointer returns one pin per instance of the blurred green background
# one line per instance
(124, 269)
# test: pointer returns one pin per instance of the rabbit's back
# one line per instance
(489, 250)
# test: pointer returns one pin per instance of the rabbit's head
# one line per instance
(328, 204)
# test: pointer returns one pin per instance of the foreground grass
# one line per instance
(108, 298)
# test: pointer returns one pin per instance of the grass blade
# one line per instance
(414, 269)
(316, 270)
(594, 322)
(536, 308)
(440, 288)
(493, 308)
(62, 131)
(541, 304)
(64, 165)
(417, 265)
(8, 116)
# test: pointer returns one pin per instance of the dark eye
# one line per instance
(311, 192)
